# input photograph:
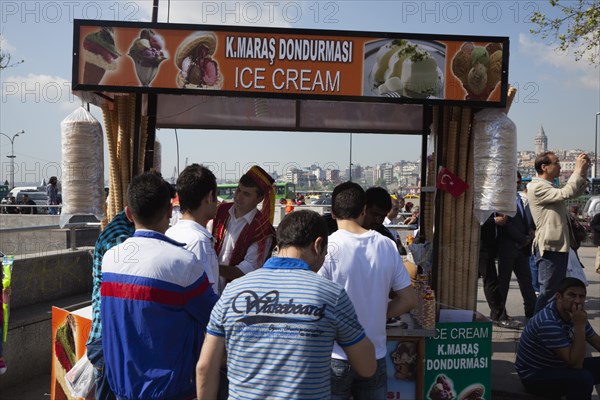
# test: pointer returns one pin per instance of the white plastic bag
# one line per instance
(495, 162)
(80, 379)
(574, 267)
(422, 255)
(82, 166)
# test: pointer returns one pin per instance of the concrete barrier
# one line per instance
(41, 241)
(60, 278)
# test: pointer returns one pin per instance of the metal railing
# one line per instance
(4, 208)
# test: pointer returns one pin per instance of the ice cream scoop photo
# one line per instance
(472, 392)
(147, 52)
(100, 55)
(442, 389)
(406, 69)
(479, 69)
(198, 68)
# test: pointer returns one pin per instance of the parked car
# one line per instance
(591, 208)
(325, 202)
(38, 197)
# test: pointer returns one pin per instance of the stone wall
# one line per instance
(39, 281)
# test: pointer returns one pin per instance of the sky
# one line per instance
(554, 91)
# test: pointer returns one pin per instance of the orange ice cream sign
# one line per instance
(348, 65)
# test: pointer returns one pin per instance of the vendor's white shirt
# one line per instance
(232, 233)
(199, 241)
(367, 266)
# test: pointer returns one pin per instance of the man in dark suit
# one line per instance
(514, 246)
(488, 252)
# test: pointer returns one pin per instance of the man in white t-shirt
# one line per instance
(197, 192)
(368, 265)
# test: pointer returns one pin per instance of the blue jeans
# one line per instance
(534, 274)
(96, 357)
(552, 268)
(345, 382)
(574, 383)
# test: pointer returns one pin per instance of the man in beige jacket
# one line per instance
(552, 236)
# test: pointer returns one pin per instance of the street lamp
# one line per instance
(12, 155)
(596, 148)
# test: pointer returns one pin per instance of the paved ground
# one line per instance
(505, 383)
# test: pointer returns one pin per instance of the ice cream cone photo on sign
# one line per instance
(100, 55)
(147, 52)
(194, 58)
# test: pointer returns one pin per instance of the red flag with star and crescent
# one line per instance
(451, 183)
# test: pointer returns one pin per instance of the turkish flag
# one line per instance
(451, 183)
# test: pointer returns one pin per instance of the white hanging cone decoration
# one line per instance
(495, 164)
(82, 166)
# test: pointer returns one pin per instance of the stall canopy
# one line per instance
(288, 115)
(150, 75)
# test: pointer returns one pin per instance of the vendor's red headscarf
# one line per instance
(265, 182)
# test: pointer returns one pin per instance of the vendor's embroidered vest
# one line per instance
(255, 232)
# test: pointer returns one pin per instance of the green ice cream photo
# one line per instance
(481, 56)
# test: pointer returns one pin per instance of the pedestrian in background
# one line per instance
(514, 251)
(553, 235)
(596, 237)
(52, 194)
(28, 202)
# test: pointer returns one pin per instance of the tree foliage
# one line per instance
(5, 60)
(578, 28)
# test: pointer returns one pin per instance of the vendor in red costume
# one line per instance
(244, 236)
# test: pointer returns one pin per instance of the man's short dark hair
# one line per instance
(149, 197)
(348, 200)
(247, 181)
(542, 159)
(193, 185)
(300, 229)
(569, 282)
(378, 197)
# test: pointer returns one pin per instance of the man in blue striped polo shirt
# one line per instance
(279, 323)
(551, 358)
